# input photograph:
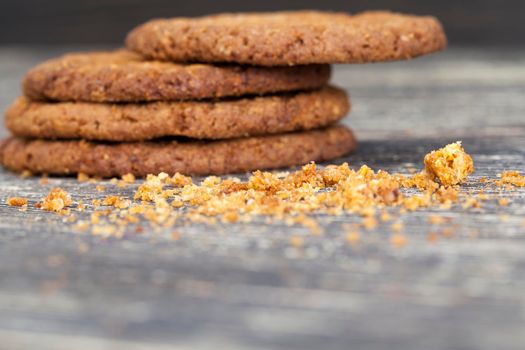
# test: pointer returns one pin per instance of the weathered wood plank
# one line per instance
(243, 286)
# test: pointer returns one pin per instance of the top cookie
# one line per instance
(123, 76)
(289, 38)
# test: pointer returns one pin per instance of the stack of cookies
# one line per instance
(212, 95)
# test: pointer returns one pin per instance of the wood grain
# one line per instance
(243, 286)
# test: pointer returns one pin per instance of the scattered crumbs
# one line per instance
(513, 178)
(398, 240)
(56, 201)
(16, 201)
(82, 177)
(503, 202)
(450, 164)
(292, 197)
(296, 241)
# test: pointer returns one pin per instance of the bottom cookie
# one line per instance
(187, 157)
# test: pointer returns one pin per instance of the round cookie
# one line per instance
(289, 38)
(195, 119)
(123, 76)
(191, 157)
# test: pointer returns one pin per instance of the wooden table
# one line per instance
(245, 286)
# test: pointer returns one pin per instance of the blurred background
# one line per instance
(471, 22)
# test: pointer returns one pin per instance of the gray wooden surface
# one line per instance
(244, 286)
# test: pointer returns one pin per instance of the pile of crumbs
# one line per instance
(166, 201)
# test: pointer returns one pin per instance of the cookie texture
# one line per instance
(289, 38)
(190, 157)
(200, 119)
(123, 76)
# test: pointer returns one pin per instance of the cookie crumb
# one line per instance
(56, 200)
(16, 201)
(450, 164)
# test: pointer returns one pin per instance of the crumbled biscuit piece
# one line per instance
(450, 164)
(56, 200)
(16, 201)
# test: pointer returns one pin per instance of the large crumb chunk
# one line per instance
(56, 200)
(450, 164)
